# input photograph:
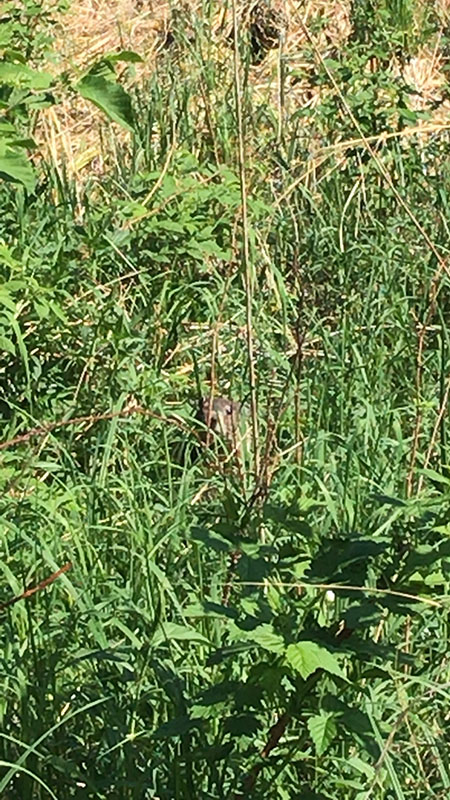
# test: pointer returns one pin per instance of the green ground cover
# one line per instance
(192, 650)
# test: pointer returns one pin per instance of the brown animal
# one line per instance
(221, 415)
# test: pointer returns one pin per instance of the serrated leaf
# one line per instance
(306, 657)
(265, 637)
(322, 728)
(109, 97)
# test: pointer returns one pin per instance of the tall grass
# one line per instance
(134, 674)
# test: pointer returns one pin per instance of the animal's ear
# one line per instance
(201, 407)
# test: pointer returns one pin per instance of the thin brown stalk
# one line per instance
(386, 749)
(247, 270)
(275, 733)
(432, 295)
(434, 435)
(90, 419)
(343, 587)
(42, 585)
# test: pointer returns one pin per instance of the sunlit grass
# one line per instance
(130, 676)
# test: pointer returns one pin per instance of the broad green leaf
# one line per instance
(242, 725)
(306, 657)
(331, 63)
(109, 97)
(171, 630)
(15, 167)
(20, 75)
(210, 248)
(16, 285)
(265, 637)
(444, 529)
(28, 144)
(322, 728)
(133, 210)
(169, 225)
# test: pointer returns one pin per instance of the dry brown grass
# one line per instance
(94, 27)
(74, 131)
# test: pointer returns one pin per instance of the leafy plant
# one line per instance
(177, 622)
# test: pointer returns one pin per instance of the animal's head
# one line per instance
(220, 414)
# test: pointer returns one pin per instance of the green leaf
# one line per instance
(322, 728)
(407, 114)
(133, 210)
(171, 630)
(435, 476)
(7, 129)
(306, 657)
(109, 97)
(15, 167)
(361, 766)
(265, 637)
(7, 300)
(177, 727)
(331, 63)
(135, 641)
(125, 55)
(169, 225)
(20, 75)
(242, 725)
(7, 345)
(28, 144)
(210, 248)
(6, 33)
(22, 347)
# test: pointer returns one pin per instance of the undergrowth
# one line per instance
(191, 624)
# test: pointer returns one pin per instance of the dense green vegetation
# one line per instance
(278, 628)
